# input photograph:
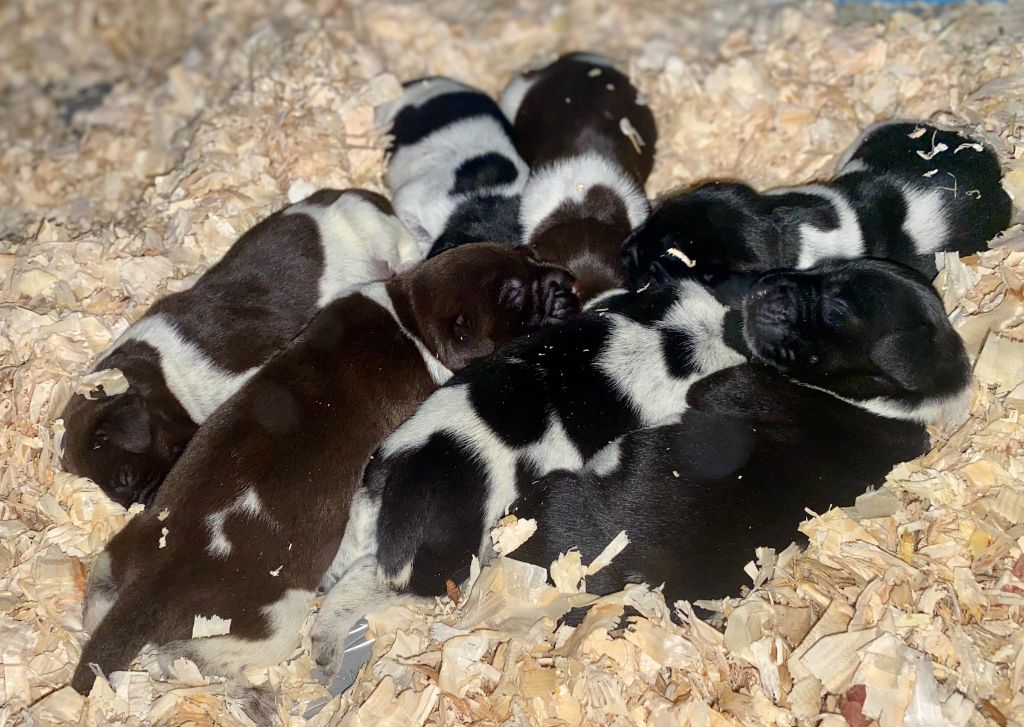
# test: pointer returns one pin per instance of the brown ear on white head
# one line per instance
(125, 424)
(910, 358)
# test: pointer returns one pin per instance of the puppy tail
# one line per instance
(117, 640)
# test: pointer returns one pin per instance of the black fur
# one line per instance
(726, 227)
(478, 193)
(696, 498)
(871, 332)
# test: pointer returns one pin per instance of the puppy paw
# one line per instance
(561, 303)
(328, 644)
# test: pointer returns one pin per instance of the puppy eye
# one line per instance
(461, 326)
(812, 360)
(834, 313)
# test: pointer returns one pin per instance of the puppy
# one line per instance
(904, 192)
(194, 349)
(589, 140)
(252, 515)
(857, 358)
(547, 402)
(453, 169)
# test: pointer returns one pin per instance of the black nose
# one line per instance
(775, 301)
(554, 297)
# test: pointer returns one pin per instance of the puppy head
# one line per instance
(111, 440)
(706, 234)
(863, 329)
(469, 300)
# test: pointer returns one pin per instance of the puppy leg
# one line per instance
(100, 592)
(229, 655)
(361, 591)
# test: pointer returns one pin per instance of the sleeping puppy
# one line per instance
(903, 192)
(547, 402)
(251, 516)
(453, 169)
(589, 140)
(869, 336)
(194, 349)
(858, 357)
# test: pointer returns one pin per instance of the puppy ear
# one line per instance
(125, 425)
(906, 357)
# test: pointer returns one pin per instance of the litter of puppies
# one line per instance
(906, 608)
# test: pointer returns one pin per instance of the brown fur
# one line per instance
(547, 128)
(299, 435)
(244, 309)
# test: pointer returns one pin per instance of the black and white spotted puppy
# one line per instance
(453, 169)
(903, 192)
(546, 402)
(194, 349)
(589, 140)
(856, 358)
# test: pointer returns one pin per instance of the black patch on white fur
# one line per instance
(482, 172)
(414, 123)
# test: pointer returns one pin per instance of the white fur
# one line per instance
(816, 244)
(941, 410)
(199, 384)
(598, 300)
(569, 180)
(421, 176)
(554, 451)
(360, 537)
(230, 655)
(100, 593)
(514, 93)
(926, 222)
(632, 358)
(606, 460)
(438, 371)
(701, 317)
(248, 505)
(359, 592)
(855, 165)
(360, 244)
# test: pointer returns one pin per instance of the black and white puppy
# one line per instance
(546, 402)
(860, 356)
(870, 336)
(903, 192)
(252, 515)
(589, 141)
(453, 170)
(192, 350)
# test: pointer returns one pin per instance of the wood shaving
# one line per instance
(630, 132)
(108, 382)
(680, 255)
(139, 140)
(203, 626)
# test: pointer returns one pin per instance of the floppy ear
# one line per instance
(907, 357)
(125, 424)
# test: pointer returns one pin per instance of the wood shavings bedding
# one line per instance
(138, 141)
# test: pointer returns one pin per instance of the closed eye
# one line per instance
(834, 313)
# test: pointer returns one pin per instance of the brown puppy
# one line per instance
(194, 349)
(252, 515)
(589, 141)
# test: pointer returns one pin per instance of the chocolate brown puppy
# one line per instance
(251, 517)
(192, 350)
(589, 140)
